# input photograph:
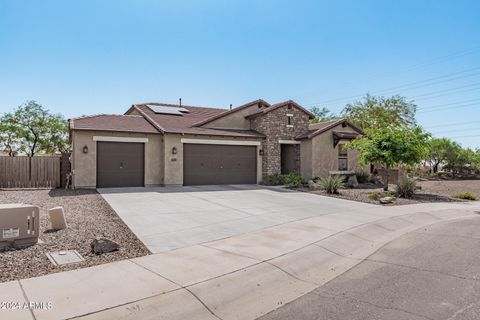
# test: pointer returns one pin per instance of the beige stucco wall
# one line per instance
(84, 166)
(324, 157)
(173, 169)
(173, 174)
(306, 159)
(235, 120)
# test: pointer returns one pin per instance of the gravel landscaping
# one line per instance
(88, 216)
(431, 191)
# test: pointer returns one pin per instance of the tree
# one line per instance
(8, 135)
(57, 137)
(440, 150)
(377, 112)
(321, 114)
(39, 131)
(461, 160)
(392, 147)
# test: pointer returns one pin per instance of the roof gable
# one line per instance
(321, 127)
(282, 104)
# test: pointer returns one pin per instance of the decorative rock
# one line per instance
(103, 245)
(312, 185)
(352, 182)
(386, 200)
(57, 218)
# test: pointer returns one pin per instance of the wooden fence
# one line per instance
(25, 172)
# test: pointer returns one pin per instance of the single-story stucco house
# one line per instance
(158, 144)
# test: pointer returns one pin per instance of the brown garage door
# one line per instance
(219, 164)
(120, 164)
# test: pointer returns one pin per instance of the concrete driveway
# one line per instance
(171, 218)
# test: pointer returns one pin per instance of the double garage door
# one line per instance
(219, 164)
(122, 164)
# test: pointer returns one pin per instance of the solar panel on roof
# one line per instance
(168, 110)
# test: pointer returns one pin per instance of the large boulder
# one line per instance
(386, 200)
(103, 245)
(312, 185)
(352, 182)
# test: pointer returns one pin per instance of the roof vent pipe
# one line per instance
(230, 106)
(180, 102)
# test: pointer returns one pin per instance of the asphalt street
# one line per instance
(432, 273)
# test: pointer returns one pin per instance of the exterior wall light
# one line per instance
(174, 150)
(85, 149)
(260, 152)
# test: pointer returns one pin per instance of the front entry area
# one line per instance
(205, 164)
(288, 158)
(120, 164)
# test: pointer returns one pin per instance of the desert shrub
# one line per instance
(293, 180)
(465, 196)
(362, 176)
(374, 195)
(388, 194)
(331, 184)
(406, 187)
(273, 180)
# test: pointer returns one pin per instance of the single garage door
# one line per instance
(120, 164)
(219, 164)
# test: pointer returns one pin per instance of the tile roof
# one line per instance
(318, 128)
(188, 123)
(184, 123)
(227, 112)
(112, 122)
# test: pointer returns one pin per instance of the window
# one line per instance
(342, 157)
(289, 120)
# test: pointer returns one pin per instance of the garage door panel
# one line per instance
(219, 164)
(120, 164)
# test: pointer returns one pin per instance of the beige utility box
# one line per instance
(57, 218)
(19, 225)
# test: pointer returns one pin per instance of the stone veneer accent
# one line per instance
(274, 126)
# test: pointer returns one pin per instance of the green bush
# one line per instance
(465, 196)
(331, 184)
(293, 180)
(374, 195)
(406, 187)
(362, 176)
(273, 180)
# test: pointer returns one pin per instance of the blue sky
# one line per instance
(87, 57)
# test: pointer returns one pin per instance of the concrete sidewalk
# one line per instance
(431, 273)
(241, 277)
